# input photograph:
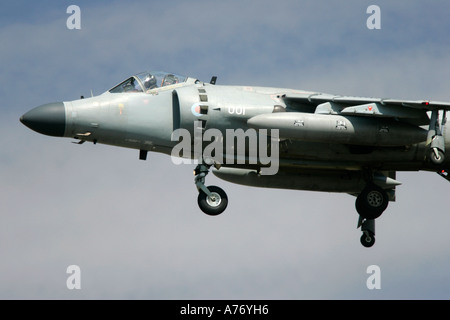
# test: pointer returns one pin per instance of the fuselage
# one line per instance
(146, 120)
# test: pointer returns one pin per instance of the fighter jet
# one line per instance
(316, 141)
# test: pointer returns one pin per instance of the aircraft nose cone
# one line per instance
(48, 119)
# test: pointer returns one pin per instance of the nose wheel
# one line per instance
(212, 200)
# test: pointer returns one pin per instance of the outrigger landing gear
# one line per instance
(437, 146)
(212, 200)
(436, 154)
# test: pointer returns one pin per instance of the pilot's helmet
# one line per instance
(150, 82)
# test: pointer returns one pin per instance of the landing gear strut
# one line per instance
(212, 200)
(370, 204)
(368, 230)
(436, 153)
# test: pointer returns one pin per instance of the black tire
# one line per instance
(437, 160)
(213, 207)
(367, 240)
(371, 202)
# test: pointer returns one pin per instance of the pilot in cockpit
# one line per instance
(169, 80)
(150, 82)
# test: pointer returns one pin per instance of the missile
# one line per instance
(353, 130)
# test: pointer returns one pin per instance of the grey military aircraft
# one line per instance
(318, 141)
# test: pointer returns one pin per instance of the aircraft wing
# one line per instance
(411, 110)
(319, 98)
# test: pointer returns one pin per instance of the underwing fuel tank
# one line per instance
(354, 130)
(308, 179)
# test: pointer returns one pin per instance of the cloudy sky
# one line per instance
(134, 228)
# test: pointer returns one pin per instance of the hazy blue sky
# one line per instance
(134, 227)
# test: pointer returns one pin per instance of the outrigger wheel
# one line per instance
(436, 153)
(437, 156)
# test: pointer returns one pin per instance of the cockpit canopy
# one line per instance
(146, 81)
